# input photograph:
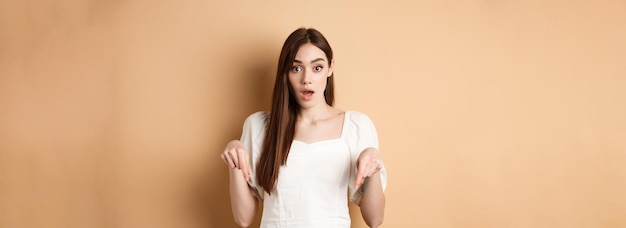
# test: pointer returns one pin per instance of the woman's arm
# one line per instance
(242, 201)
(373, 201)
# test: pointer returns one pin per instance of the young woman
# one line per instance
(305, 158)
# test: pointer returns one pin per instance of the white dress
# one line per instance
(312, 187)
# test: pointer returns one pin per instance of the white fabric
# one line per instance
(311, 189)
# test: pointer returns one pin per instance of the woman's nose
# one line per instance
(306, 77)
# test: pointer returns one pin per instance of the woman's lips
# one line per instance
(307, 95)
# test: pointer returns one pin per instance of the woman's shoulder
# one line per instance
(358, 121)
(256, 119)
(259, 115)
(357, 117)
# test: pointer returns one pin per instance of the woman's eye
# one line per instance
(296, 69)
(318, 68)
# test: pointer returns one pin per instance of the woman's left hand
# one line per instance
(368, 164)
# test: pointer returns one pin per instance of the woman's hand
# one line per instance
(235, 157)
(368, 164)
(372, 203)
(242, 201)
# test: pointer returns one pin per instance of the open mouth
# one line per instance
(307, 94)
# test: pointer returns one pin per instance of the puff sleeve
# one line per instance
(252, 136)
(361, 135)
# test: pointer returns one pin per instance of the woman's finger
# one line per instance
(243, 163)
(223, 157)
(358, 179)
(362, 172)
(228, 159)
(358, 182)
(232, 152)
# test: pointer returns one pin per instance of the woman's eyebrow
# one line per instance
(315, 60)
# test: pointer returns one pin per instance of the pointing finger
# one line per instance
(243, 163)
(228, 160)
(361, 173)
(233, 155)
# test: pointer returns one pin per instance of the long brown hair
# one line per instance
(281, 122)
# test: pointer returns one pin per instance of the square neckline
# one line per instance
(343, 132)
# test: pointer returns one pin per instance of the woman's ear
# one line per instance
(331, 68)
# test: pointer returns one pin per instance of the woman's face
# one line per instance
(308, 74)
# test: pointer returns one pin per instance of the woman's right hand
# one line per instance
(235, 157)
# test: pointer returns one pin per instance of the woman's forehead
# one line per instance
(309, 53)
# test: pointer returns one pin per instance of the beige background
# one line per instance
(490, 113)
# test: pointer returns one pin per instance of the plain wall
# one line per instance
(489, 113)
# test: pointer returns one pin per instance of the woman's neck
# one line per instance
(314, 114)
